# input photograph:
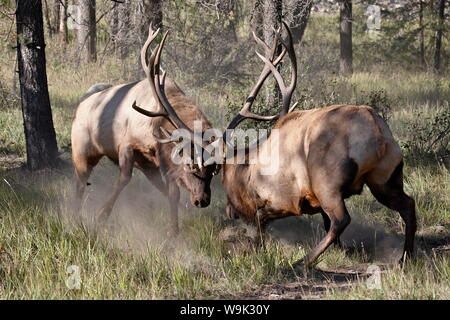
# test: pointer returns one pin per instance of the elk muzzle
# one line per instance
(202, 200)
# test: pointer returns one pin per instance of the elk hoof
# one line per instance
(300, 264)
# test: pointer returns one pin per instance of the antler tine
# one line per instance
(245, 111)
(145, 65)
(152, 71)
(292, 56)
(154, 67)
(285, 91)
(268, 50)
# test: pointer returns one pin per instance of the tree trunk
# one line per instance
(41, 146)
(63, 29)
(438, 38)
(56, 15)
(153, 13)
(149, 11)
(346, 60)
(225, 9)
(48, 21)
(257, 17)
(87, 33)
(113, 22)
(273, 10)
(123, 29)
(301, 12)
(422, 37)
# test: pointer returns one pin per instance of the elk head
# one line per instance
(193, 174)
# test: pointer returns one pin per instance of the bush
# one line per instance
(378, 100)
(429, 136)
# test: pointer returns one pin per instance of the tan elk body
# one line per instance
(105, 124)
(323, 156)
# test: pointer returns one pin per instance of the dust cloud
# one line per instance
(139, 219)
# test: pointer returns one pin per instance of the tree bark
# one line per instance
(273, 11)
(345, 19)
(48, 21)
(87, 32)
(438, 38)
(113, 22)
(123, 29)
(149, 11)
(301, 12)
(257, 18)
(63, 29)
(421, 36)
(41, 146)
(56, 15)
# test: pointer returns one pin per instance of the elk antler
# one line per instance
(286, 92)
(152, 71)
(165, 109)
(270, 67)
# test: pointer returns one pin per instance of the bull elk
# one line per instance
(325, 155)
(105, 124)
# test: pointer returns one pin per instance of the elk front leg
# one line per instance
(174, 199)
(155, 178)
(261, 226)
(126, 169)
(339, 220)
(83, 168)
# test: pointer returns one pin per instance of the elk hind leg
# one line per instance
(391, 195)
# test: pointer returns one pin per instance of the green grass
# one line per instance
(426, 278)
(37, 233)
(40, 234)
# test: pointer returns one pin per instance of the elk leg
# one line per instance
(154, 176)
(339, 220)
(174, 199)
(405, 205)
(83, 169)
(261, 226)
(170, 190)
(391, 195)
(326, 225)
(126, 170)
